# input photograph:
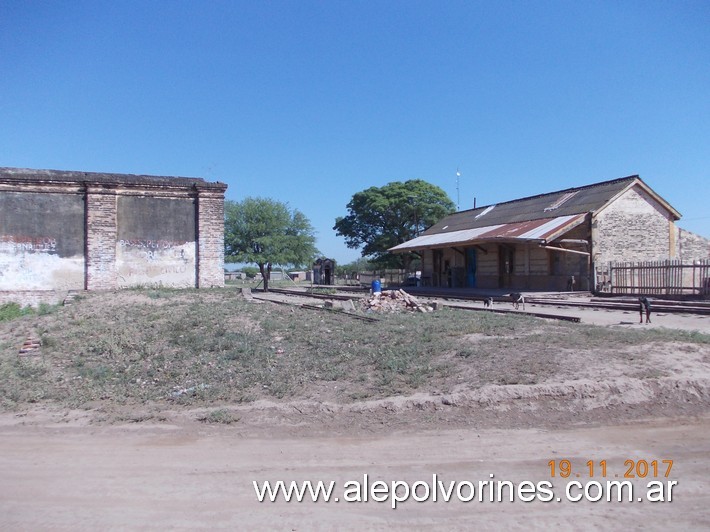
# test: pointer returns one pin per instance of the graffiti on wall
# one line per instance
(32, 263)
(156, 262)
(25, 244)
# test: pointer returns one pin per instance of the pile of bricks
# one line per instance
(394, 301)
(30, 346)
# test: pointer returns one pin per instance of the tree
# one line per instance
(266, 232)
(382, 217)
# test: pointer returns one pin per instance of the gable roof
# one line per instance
(541, 218)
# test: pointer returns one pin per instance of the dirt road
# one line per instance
(194, 477)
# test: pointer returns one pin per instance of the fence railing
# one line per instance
(389, 277)
(670, 277)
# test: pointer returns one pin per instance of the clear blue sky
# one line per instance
(310, 102)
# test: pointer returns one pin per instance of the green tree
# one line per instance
(382, 217)
(266, 232)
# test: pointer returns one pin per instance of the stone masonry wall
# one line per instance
(691, 246)
(633, 228)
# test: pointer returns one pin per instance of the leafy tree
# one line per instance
(250, 271)
(382, 217)
(266, 232)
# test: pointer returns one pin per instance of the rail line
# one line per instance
(658, 305)
(294, 293)
(574, 319)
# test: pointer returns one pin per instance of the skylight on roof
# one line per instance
(561, 200)
(485, 211)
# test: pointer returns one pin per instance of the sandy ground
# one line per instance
(622, 318)
(609, 317)
(200, 477)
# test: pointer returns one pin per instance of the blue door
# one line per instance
(471, 267)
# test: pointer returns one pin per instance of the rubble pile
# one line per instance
(394, 301)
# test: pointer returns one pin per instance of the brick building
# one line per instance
(64, 230)
(558, 241)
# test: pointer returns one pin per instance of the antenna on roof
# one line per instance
(458, 195)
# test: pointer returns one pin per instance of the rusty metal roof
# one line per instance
(587, 199)
(542, 231)
(527, 218)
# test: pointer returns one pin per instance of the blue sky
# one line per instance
(310, 102)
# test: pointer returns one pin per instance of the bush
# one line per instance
(11, 311)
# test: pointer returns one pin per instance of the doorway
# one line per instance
(506, 265)
(471, 263)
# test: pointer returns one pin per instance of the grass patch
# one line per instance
(220, 416)
(11, 311)
(188, 347)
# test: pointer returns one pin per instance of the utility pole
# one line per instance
(458, 193)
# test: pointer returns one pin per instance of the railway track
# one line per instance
(658, 305)
(546, 315)
(342, 297)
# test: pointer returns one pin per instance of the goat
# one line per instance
(516, 298)
(644, 307)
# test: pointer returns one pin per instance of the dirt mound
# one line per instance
(543, 406)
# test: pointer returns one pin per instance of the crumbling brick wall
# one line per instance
(210, 213)
(101, 223)
(73, 230)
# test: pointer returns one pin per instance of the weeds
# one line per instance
(11, 311)
(221, 416)
(185, 347)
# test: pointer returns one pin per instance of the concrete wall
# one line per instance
(70, 231)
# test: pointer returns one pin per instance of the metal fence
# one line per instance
(669, 277)
(388, 277)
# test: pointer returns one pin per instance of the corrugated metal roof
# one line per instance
(541, 230)
(579, 200)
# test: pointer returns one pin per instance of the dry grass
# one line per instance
(163, 347)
